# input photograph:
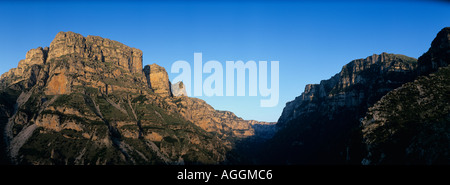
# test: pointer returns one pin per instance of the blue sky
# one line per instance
(312, 40)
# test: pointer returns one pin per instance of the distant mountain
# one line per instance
(89, 100)
(411, 125)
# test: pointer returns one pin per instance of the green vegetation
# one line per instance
(64, 147)
(146, 155)
(109, 112)
(415, 122)
(170, 139)
(8, 98)
(75, 101)
(96, 123)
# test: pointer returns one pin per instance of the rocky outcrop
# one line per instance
(37, 56)
(178, 89)
(438, 55)
(158, 79)
(58, 84)
(27, 69)
(53, 122)
(96, 48)
(226, 123)
(74, 60)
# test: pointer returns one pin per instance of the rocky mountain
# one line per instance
(89, 100)
(410, 125)
(383, 109)
(158, 79)
(320, 126)
(438, 55)
(359, 81)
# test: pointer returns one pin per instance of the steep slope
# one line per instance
(411, 125)
(88, 100)
(321, 125)
(438, 55)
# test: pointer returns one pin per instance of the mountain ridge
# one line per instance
(410, 125)
(320, 125)
(348, 76)
(95, 95)
(352, 117)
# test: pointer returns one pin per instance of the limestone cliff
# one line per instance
(96, 48)
(411, 125)
(438, 54)
(158, 79)
(88, 100)
(361, 81)
(320, 125)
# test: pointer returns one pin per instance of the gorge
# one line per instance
(91, 101)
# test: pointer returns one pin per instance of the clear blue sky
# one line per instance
(312, 40)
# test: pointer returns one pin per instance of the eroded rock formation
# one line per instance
(88, 100)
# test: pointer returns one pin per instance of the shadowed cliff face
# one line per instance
(320, 126)
(377, 110)
(88, 100)
(360, 82)
(438, 55)
(411, 125)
